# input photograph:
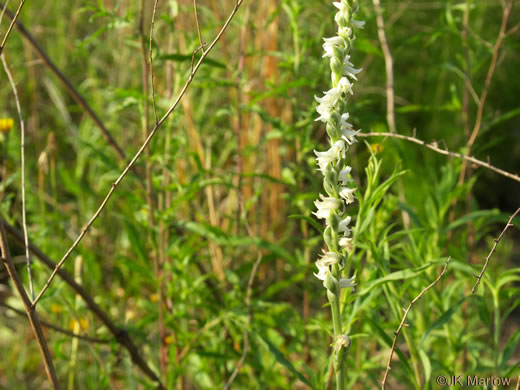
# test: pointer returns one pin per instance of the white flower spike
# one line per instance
(333, 165)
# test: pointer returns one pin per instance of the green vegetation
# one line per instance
(199, 270)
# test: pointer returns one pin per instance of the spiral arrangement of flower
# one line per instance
(333, 165)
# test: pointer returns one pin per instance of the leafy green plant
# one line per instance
(198, 273)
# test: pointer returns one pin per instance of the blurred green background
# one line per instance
(229, 181)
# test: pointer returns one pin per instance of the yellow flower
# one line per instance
(55, 308)
(376, 148)
(81, 324)
(6, 124)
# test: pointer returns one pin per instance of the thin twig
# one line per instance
(163, 357)
(487, 84)
(497, 240)
(488, 44)
(246, 346)
(139, 152)
(396, 333)
(513, 29)
(58, 329)
(120, 334)
(201, 47)
(30, 311)
(13, 21)
(3, 11)
(182, 355)
(151, 61)
(148, 168)
(433, 146)
(396, 15)
(80, 100)
(22, 157)
(238, 129)
(389, 67)
(467, 71)
(198, 25)
(390, 93)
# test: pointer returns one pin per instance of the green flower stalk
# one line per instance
(337, 182)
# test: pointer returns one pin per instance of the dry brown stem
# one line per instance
(433, 146)
(389, 67)
(487, 84)
(496, 241)
(57, 328)
(390, 93)
(29, 309)
(11, 25)
(22, 160)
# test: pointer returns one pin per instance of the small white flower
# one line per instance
(334, 41)
(325, 113)
(327, 103)
(325, 158)
(349, 136)
(328, 258)
(322, 271)
(347, 283)
(330, 98)
(347, 131)
(347, 194)
(344, 122)
(358, 23)
(345, 85)
(347, 243)
(325, 206)
(343, 226)
(324, 262)
(339, 5)
(348, 68)
(345, 32)
(342, 177)
(331, 43)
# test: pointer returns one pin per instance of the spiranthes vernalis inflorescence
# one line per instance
(333, 165)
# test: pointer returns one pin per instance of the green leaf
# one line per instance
(511, 346)
(400, 275)
(308, 219)
(443, 319)
(177, 57)
(427, 365)
(470, 217)
(502, 118)
(222, 238)
(388, 341)
(283, 284)
(280, 358)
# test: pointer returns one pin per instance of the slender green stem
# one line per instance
(496, 340)
(339, 356)
(335, 308)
